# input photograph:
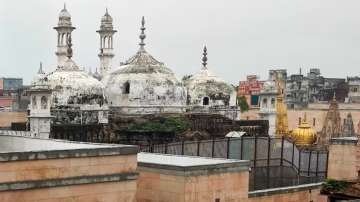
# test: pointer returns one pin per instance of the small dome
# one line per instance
(106, 22)
(64, 14)
(304, 135)
(205, 84)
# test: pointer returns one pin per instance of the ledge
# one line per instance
(29, 148)
(344, 141)
(189, 165)
(284, 190)
(25, 185)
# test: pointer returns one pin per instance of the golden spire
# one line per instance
(281, 115)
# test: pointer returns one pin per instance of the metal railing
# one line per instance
(261, 151)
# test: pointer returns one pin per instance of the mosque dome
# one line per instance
(205, 88)
(304, 135)
(143, 81)
(70, 85)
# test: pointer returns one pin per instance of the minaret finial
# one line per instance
(106, 11)
(69, 49)
(204, 58)
(142, 35)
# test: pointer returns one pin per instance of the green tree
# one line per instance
(242, 103)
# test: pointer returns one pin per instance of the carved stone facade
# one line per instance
(348, 129)
(332, 124)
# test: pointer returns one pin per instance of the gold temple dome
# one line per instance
(304, 135)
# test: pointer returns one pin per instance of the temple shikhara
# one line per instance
(133, 131)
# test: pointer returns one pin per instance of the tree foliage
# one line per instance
(164, 124)
(242, 103)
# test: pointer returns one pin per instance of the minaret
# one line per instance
(106, 33)
(64, 29)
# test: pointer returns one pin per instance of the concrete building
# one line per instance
(354, 89)
(250, 89)
(268, 103)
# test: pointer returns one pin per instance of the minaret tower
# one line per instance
(106, 33)
(64, 29)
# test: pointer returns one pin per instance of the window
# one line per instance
(126, 88)
(206, 101)
(43, 102)
(355, 89)
(34, 102)
(273, 102)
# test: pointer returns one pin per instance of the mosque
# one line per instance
(140, 85)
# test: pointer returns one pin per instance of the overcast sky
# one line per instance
(243, 36)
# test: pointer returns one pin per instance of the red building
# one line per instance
(250, 89)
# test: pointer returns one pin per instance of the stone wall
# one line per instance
(76, 172)
(343, 161)
(6, 118)
(300, 193)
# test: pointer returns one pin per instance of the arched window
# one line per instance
(206, 101)
(43, 102)
(33, 102)
(126, 88)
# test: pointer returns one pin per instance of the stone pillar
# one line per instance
(343, 159)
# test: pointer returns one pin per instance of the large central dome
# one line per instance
(143, 84)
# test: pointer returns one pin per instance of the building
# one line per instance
(143, 85)
(36, 170)
(250, 89)
(206, 91)
(267, 111)
(76, 97)
(313, 88)
(354, 89)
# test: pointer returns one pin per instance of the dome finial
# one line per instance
(40, 71)
(204, 58)
(106, 12)
(64, 6)
(305, 117)
(69, 49)
(142, 35)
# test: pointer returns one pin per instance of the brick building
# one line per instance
(250, 89)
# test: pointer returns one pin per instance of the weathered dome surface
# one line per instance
(142, 80)
(70, 85)
(304, 135)
(206, 83)
(205, 88)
